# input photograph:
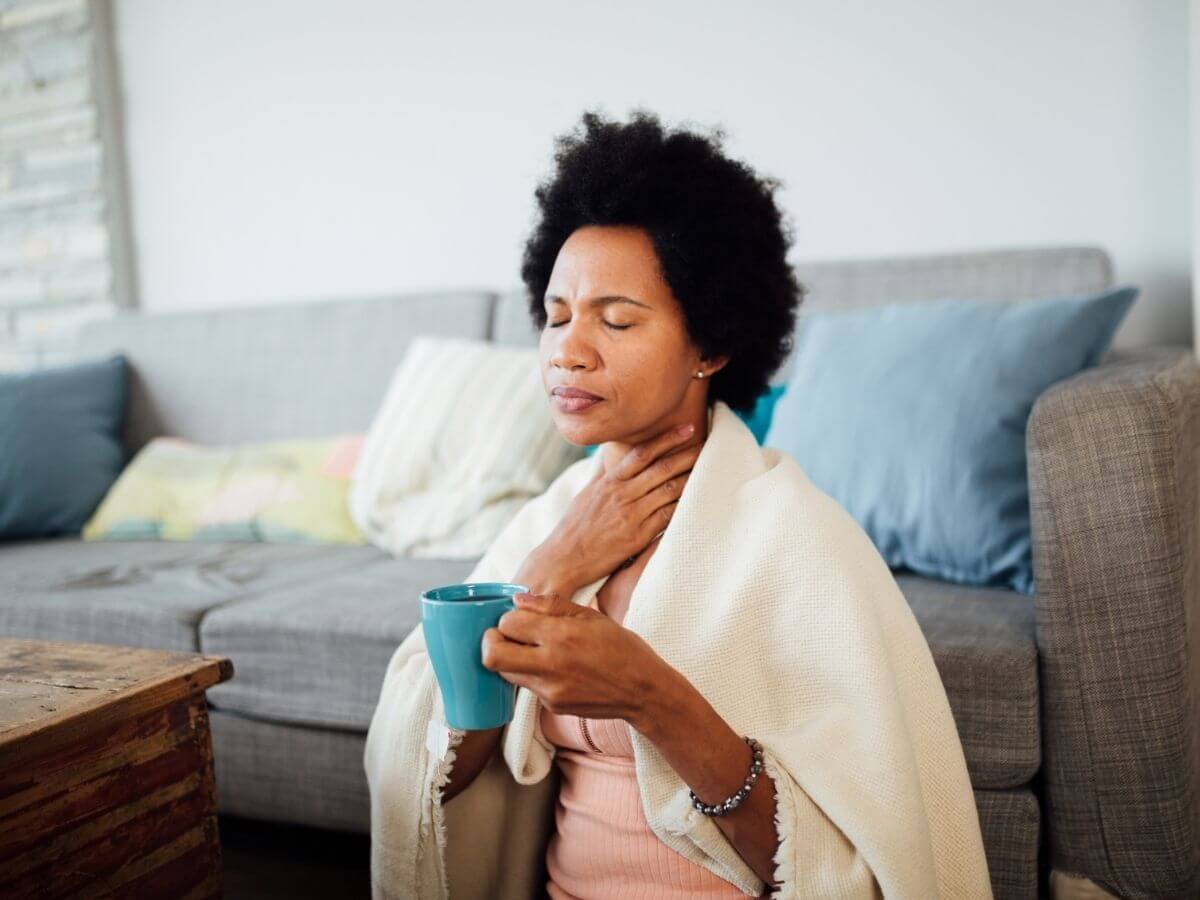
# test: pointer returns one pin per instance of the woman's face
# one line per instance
(635, 352)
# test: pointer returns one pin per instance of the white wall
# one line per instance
(1194, 62)
(285, 151)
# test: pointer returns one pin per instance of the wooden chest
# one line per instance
(106, 772)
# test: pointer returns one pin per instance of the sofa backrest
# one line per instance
(273, 371)
(321, 368)
(1016, 274)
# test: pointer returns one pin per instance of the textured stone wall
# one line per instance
(64, 237)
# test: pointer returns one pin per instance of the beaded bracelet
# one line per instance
(719, 809)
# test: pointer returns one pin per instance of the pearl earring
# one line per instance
(699, 374)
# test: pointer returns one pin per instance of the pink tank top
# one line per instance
(602, 845)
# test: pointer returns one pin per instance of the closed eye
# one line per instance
(609, 324)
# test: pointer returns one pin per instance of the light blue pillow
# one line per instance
(60, 445)
(912, 416)
(758, 420)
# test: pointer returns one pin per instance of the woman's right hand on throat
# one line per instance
(620, 511)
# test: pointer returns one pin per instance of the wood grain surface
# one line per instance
(106, 772)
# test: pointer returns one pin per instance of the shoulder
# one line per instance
(808, 523)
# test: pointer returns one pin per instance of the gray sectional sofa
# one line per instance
(1077, 708)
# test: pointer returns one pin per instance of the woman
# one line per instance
(657, 276)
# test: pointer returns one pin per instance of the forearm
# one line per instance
(672, 717)
(542, 572)
(470, 758)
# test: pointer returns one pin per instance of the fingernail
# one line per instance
(687, 429)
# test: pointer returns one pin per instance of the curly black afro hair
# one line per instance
(720, 239)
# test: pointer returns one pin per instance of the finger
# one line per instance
(642, 455)
(551, 603)
(499, 653)
(659, 519)
(522, 625)
(662, 483)
(521, 679)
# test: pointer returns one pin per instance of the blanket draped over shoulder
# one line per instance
(773, 602)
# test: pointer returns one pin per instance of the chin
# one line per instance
(575, 430)
(574, 436)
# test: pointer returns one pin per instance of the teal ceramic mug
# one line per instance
(455, 617)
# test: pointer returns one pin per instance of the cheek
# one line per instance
(654, 359)
(635, 366)
(650, 364)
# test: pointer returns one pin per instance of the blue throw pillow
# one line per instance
(912, 416)
(60, 445)
(758, 420)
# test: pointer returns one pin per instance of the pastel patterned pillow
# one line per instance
(288, 491)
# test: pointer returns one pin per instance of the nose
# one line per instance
(572, 349)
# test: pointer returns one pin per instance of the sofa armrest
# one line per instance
(1114, 489)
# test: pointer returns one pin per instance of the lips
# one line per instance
(573, 400)
(575, 392)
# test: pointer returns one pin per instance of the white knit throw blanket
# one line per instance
(776, 606)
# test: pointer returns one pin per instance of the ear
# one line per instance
(720, 362)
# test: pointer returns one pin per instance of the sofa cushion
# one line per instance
(315, 653)
(985, 649)
(1011, 824)
(146, 593)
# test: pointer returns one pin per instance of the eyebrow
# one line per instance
(602, 301)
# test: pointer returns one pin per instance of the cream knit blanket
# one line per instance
(775, 604)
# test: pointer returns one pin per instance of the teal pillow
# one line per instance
(60, 445)
(912, 416)
(758, 420)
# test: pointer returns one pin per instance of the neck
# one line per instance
(612, 452)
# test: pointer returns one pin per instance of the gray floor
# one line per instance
(264, 860)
